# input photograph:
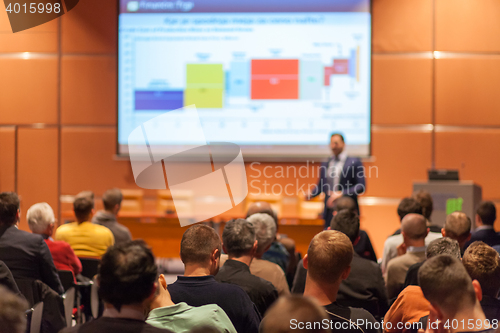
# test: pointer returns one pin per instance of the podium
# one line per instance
(449, 194)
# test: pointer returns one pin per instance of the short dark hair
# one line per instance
(407, 206)
(238, 237)
(329, 254)
(445, 282)
(12, 308)
(9, 205)
(346, 221)
(127, 273)
(487, 212)
(198, 243)
(424, 198)
(482, 263)
(82, 207)
(337, 134)
(294, 307)
(444, 245)
(111, 198)
(345, 202)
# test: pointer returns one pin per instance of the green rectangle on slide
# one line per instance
(454, 205)
(310, 79)
(204, 97)
(204, 74)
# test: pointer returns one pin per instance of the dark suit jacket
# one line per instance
(28, 257)
(260, 291)
(363, 288)
(489, 236)
(7, 280)
(351, 183)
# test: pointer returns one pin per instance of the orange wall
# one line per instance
(58, 108)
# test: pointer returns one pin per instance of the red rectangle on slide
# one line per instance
(275, 79)
(340, 66)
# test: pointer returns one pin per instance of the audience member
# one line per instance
(12, 312)
(328, 262)
(265, 231)
(438, 246)
(127, 284)
(181, 318)
(365, 286)
(363, 245)
(295, 314)
(200, 252)
(457, 226)
(394, 245)
(7, 280)
(454, 297)
(25, 254)
(486, 214)
(483, 264)
(85, 238)
(424, 198)
(41, 221)
(278, 252)
(112, 200)
(411, 304)
(414, 230)
(239, 242)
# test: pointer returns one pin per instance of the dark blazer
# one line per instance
(28, 257)
(352, 183)
(7, 280)
(363, 288)
(489, 236)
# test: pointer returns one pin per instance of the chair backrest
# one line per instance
(133, 201)
(275, 200)
(184, 202)
(36, 318)
(311, 209)
(67, 279)
(69, 303)
(89, 266)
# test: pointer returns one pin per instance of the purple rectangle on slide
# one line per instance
(159, 100)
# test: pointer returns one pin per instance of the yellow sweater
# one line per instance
(86, 239)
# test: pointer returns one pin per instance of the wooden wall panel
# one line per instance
(37, 168)
(401, 90)
(42, 38)
(88, 90)
(401, 157)
(468, 25)
(379, 221)
(475, 154)
(402, 26)
(29, 91)
(7, 159)
(88, 161)
(91, 27)
(467, 91)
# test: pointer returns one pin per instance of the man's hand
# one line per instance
(401, 249)
(332, 197)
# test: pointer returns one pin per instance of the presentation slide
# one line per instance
(274, 77)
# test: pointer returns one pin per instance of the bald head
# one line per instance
(262, 207)
(414, 226)
(457, 227)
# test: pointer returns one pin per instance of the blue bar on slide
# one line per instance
(310, 79)
(352, 64)
(239, 79)
(159, 100)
